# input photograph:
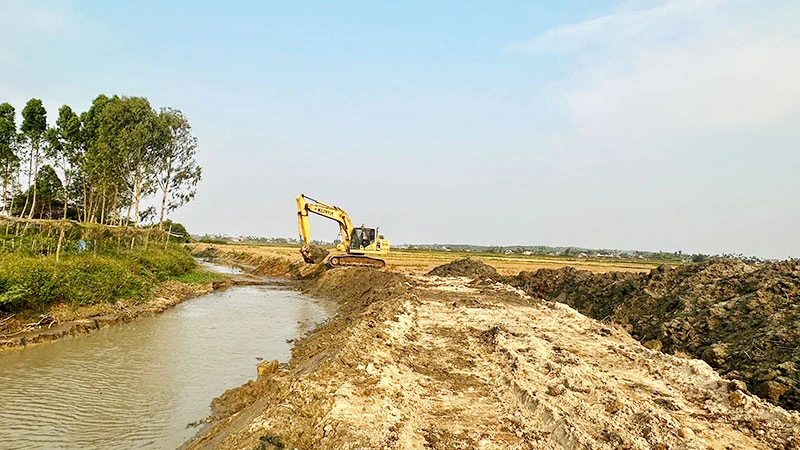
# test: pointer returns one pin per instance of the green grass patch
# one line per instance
(199, 277)
(162, 264)
(35, 282)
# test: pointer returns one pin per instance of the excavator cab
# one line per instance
(368, 240)
(363, 239)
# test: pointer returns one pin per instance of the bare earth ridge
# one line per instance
(415, 362)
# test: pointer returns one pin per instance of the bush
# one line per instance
(28, 282)
(163, 265)
(199, 277)
(89, 280)
(176, 230)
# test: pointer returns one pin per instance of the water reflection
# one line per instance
(139, 384)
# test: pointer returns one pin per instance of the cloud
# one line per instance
(618, 28)
(682, 125)
(709, 86)
(679, 65)
(38, 17)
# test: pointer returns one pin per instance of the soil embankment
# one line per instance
(261, 261)
(742, 320)
(448, 363)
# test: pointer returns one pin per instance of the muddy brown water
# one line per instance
(138, 385)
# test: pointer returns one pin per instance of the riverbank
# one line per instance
(61, 278)
(414, 361)
(62, 320)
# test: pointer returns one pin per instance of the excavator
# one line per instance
(357, 242)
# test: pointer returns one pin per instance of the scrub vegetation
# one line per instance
(46, 262)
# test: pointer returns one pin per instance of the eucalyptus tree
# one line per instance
(66, 148)
(50, 188)
(98, 177)
(34, 125)
(9, 160)
(130, 136)
(176, 172)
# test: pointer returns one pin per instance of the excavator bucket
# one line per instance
(313, 254)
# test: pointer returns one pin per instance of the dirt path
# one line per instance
(425, 362)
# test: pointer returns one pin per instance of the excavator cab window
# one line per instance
(366, 236)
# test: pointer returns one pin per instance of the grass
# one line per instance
(199, 277)
(36, 282)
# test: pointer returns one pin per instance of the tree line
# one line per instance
(97, 166)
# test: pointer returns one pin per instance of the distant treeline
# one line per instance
(97, 166)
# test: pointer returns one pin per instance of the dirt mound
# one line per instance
(467, 267)
(357, 283)
(740, 319)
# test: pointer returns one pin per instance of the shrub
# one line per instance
(89, 280)
(165, 264)
(29, 282)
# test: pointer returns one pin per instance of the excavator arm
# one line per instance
(313, 254)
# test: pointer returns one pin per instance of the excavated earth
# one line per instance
(428, 362)
(467, 267)
(742, 320)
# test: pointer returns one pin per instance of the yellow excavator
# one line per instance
(356, 243)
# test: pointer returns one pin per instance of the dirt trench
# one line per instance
(419, 362)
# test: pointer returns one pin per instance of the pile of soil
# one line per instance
(741, 320)
(467, 267)
(354, 288)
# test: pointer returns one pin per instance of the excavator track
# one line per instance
(356, 261)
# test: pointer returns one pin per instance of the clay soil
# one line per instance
(417, 361)
(742, 320)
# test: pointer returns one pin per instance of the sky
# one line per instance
(659, 125)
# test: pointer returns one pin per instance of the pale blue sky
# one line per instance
(655, 125)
